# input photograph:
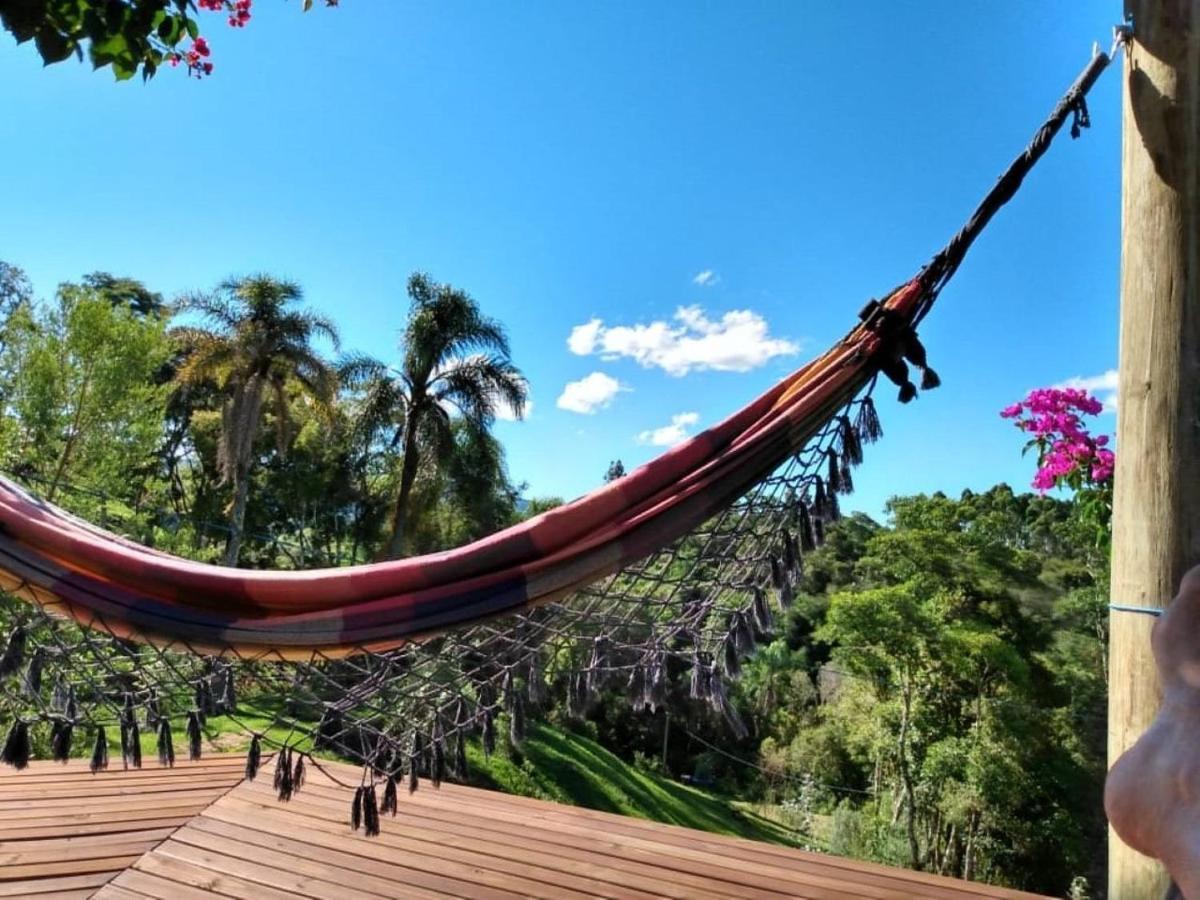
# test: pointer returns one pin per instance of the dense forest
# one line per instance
(934, 698)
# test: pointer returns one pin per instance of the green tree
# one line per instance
(126, 292)
(455, 363)
(15, 292)
(477, 484)
(959, 699)
(253, 346)
(538, 505)
(80, 390)
(15, 289)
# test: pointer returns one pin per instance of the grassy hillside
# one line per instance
(568, 768)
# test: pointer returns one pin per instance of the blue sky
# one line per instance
(578, 168)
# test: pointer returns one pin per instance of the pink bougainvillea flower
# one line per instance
(1068, 455)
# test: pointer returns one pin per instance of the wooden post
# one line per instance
(1156, 515)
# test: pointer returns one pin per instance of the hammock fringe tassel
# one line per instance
(253, 758)
(99, 760)
(16, 746)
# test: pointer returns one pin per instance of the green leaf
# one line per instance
(107, 51)
(52, 46)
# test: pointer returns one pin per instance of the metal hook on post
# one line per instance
(1122, 35)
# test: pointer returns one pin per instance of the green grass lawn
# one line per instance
(569, 768)
(222, 734)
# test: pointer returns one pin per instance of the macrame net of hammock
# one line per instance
(694, 608)
(698, 605)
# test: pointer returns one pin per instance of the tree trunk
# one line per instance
(64, 458)
(666, 734)
(237, 518)
(914, 847)
(948, 852)
(1156, 509)
(408, 476)
(968, 869)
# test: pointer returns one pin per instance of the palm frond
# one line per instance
(382, 410)
(208, 357)
(356, 370)
(480, 385)
(213, 307)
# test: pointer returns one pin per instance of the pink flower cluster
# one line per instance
(239, 10)
(1068, 455)
(241, 14)
(196, 58)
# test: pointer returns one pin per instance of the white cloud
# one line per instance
(1103, 386)
(670, 435)
(707, 278)
(738, 342)
(582, 339)
(590, 393)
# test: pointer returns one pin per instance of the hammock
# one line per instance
(93, 574)
(395, 663)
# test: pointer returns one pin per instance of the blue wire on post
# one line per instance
(1147, 610)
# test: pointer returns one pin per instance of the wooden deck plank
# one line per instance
(78, 771)
(501, 850)
(183, 872)
(107, 826)
(370, 878)
(58, 843)
(736, 852)
(110, 787)
(85, 883)
(150, 885)
(65, 831)
(111, 892)
(720, 876)
(166, 798)
(332, 850)
(349, 850)
(461, 873)
(333, 883)
(415, 855)
(636, 871)
(22, 872)
(552, 812)
(75, 853)
(197, 830)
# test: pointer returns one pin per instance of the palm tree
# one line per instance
(455, 363)
(252, 345)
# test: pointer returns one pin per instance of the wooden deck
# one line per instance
(198, 831)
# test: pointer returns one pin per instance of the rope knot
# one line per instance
(1080, 118)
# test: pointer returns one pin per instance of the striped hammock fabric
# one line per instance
(102, 580)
